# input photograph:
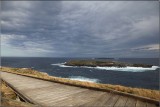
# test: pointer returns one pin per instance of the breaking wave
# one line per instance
(131, 69)
(61, 65)
(128, 68)
(80, 78)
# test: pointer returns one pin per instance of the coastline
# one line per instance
(148, 93)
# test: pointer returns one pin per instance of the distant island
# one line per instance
(95, 63)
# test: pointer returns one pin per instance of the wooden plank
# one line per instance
(76, 99)
(111, 102)
(151, 105)
(37, 89)
(58, 96)
(140, 104)
(130, 102)
(32, 87)
(34, 91)
(21, 78)
(50, 90)
(47, 94)
(99, 101)
(21, 81)
(58, 92)
(121, 102)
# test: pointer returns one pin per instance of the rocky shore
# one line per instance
(107, 63)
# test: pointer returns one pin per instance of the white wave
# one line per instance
(131, 69)
(61, 65)
(80, 78)
(128, 68)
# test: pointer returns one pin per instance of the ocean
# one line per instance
(132, 77)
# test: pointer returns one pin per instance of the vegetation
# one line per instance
(10, 99)
(153, 94)
(106, 63)
(7, 92)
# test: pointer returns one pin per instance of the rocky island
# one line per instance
(106, 63)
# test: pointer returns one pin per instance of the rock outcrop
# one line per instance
(94, 63)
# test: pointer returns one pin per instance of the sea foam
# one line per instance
(81, 78)
(131, 69)
(62, 65)
(128, 68)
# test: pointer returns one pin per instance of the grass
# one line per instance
(9, 98)
(152, 94)
(7, 92)
(14, 103)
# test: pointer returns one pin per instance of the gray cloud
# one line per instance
(80, 29)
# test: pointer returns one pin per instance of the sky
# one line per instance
(80, 28)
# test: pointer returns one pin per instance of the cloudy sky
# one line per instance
(80, 28)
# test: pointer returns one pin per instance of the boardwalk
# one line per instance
(45, 93)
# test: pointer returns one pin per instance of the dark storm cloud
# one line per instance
(80, 29)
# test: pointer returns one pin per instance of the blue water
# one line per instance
(141, 79)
